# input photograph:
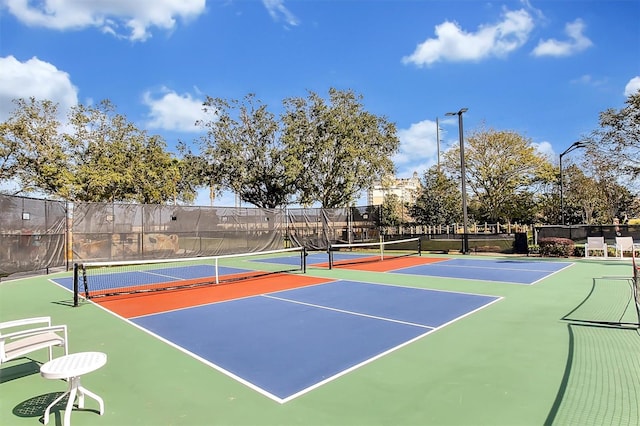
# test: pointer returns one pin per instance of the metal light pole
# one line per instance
(574, 146)
(438, 141)
(465, 236)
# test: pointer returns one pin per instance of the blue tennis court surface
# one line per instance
(113, 280)
(506, 271)
(286, 343)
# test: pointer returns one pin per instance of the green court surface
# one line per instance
(544, 354)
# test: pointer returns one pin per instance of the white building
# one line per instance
(406, 189)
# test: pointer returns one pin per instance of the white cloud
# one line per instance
(632, 86)
(588, 80)
(544, 148)
(577, 42)
(277, 10)
(137, 16)
(454, 44)
(418, 148)
(172, 111)
(34, 78)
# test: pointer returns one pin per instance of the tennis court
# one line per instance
(512, 271)
(311, 331)
(284, 344)
(285, 335)
(504, 271)
(344, 346)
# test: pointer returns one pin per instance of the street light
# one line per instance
(574, 146)
(438, 141)
(465, 236)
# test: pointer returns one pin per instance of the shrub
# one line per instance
(560, 247)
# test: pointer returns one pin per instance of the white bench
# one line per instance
(30, 335)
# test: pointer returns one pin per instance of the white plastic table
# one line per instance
(71, 368)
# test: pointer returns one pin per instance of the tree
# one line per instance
(390, 210)
(583, 197)
(336, 149)
(116, 161)
(195, 173)
(100, 157)
(617, 141)
(500, 165)
(440, 201)
(158, 172)
(34, 150)
(9, 152)
(244, 152)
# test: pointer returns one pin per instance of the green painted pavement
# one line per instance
(516, 362)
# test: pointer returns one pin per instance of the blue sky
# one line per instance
(544, 69)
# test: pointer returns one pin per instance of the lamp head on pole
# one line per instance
(575, 145)
(462, 111)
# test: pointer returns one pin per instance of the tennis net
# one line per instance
(347, 254)
(94, 279)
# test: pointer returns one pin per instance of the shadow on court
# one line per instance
(600, 382)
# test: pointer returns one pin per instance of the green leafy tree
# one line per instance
(616, 144)
(440, 200)
(501, 166)
(195, 173)
(336, 149)
(158, 172)
(244, 152)
(548, 208)
(34, 150)
(583, 198)
(391, 210)
(105, 167)
(524, 207)
(100, 157)
(116, 161)
(9, 152)
(594, 201)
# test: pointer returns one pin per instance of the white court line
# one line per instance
(347, 312)
(483, 267)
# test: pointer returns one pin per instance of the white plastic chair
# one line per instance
(30, 335)
(626, 245)
(595, 244)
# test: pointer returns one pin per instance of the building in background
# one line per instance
(406, 189)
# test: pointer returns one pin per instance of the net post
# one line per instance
(85, 281)
(76, 286)
(330, 253)
(303, 260)
(419, 246)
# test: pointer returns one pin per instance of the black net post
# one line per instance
(464, 244)
(75, 285)
(303, 253)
